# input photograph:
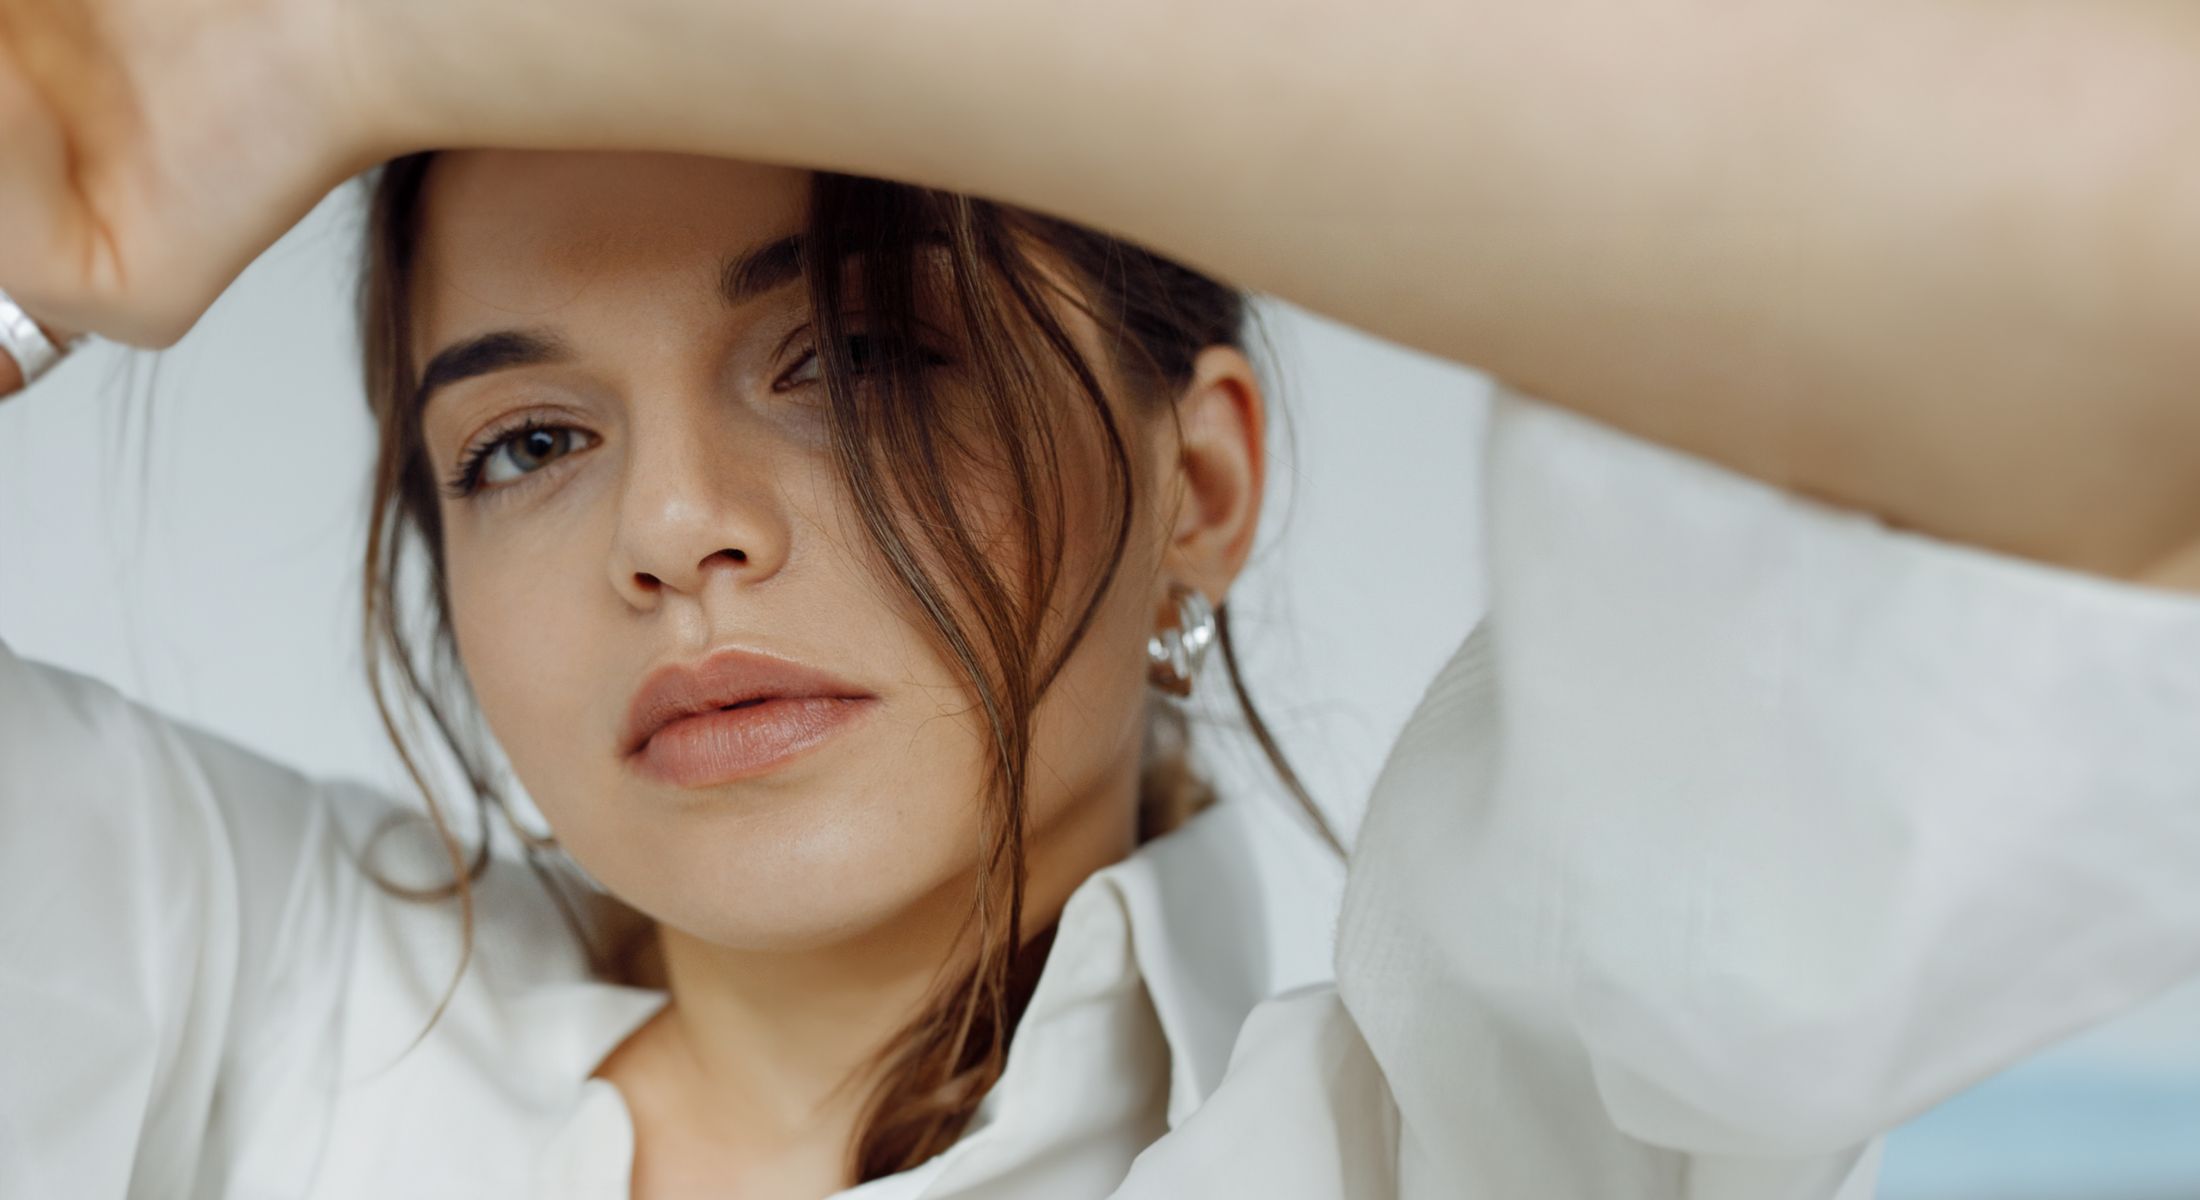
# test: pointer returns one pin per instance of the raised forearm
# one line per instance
(1938, 259)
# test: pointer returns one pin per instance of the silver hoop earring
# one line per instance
(1173, 655)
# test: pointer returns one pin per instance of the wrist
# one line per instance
(758, 79)
(369, 55)
(547, 74)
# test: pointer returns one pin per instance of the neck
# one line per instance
(772, 1046)
(768, 1056)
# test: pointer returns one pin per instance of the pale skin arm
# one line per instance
(1934, 259)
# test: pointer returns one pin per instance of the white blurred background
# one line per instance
(187, 526)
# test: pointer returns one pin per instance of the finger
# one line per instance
(31, 172)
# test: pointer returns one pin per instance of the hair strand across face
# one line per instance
(933, 483)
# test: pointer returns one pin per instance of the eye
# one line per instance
(524, 451)
(514, 454)
(865, 351)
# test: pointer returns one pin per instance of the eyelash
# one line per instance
(465, 481)
(930, 357)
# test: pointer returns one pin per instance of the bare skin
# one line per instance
(1857, 250)
(1852, 248)
(1861, 250)
(802, 914)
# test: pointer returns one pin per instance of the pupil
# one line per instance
(540, 442)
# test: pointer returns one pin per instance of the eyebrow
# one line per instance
(498, 351)
(743, 277)
(761, 270)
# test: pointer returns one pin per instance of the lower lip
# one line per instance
(741, 743)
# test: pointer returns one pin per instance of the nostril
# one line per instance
(736, 554)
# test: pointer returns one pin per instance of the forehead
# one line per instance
(523, 232)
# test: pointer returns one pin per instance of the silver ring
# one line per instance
(21, 338)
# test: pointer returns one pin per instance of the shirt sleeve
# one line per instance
(168, 908)
(1745, 827)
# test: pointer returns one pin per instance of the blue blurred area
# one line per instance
(2112, 1116)
(2050, 1133)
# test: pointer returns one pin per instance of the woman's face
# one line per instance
(682, 501)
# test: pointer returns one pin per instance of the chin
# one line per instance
(791, 877)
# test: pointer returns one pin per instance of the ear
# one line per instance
(1215, 479)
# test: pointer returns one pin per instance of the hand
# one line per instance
(151, 149)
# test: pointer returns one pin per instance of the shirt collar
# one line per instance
(1170, 940)
(1157, 960)
(1198, 931)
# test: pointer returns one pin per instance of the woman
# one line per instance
(1752, 866)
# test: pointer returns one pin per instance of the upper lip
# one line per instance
(722, 678)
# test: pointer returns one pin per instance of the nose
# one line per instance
(695, 508)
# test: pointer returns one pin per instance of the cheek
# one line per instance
(874, 832)
(1088, 728)
(1091, 724)
(533, 654)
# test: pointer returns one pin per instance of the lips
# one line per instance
(726, 679)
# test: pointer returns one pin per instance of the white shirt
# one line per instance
(1741, 829)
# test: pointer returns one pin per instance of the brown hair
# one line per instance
(906, 464)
